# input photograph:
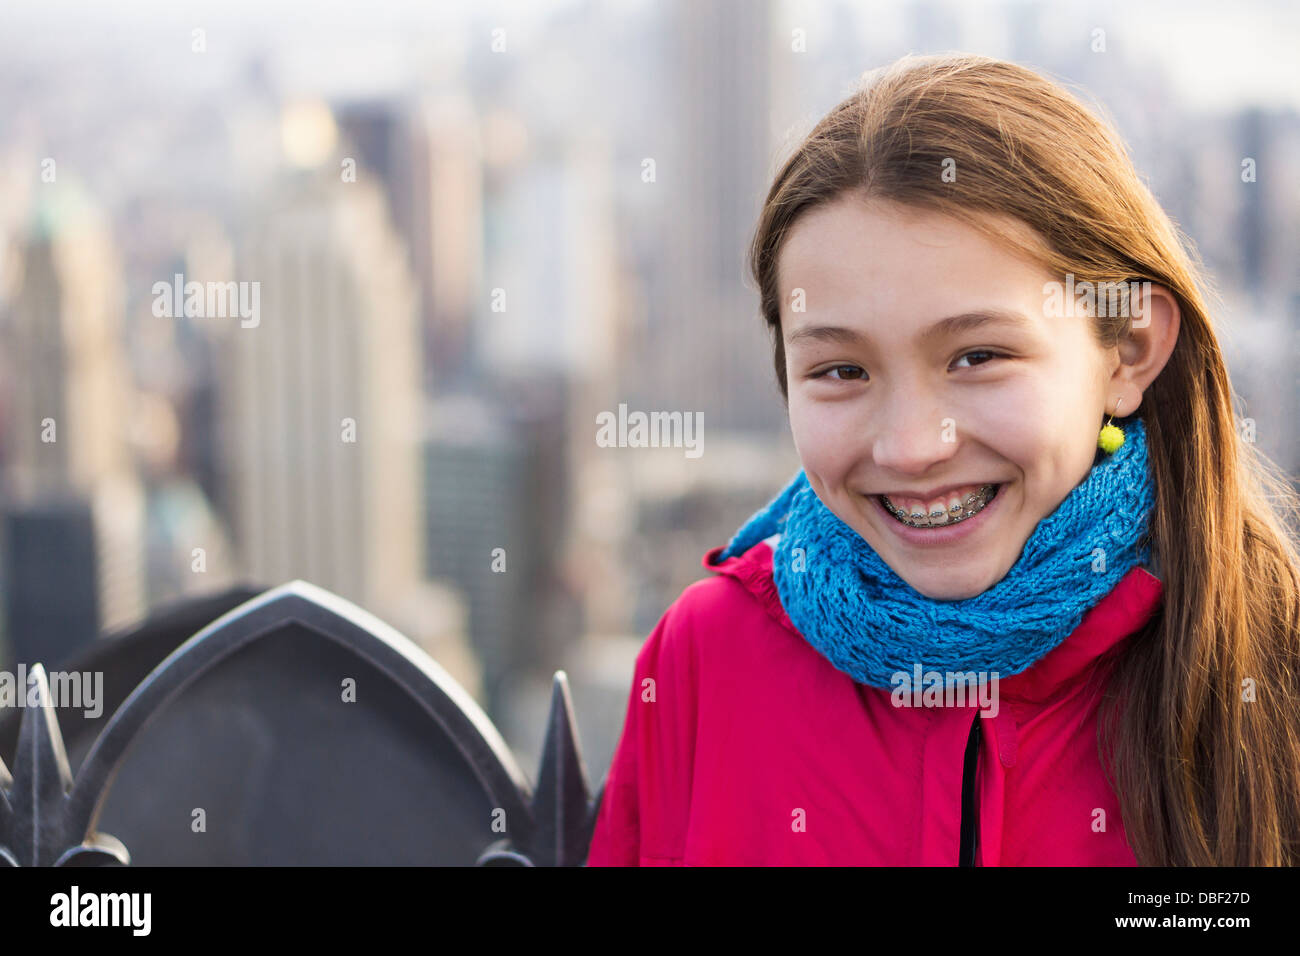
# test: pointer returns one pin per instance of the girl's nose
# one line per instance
(911, 437)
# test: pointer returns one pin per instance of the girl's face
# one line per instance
(886, 398)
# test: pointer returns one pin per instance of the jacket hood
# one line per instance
(1118, 615)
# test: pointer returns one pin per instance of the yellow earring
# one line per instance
(1111, 436)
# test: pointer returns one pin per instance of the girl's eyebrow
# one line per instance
(952, 325)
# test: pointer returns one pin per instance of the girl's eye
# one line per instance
(853, 373)
(984, 352)
(837, 368)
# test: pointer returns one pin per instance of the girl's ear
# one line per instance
(1145, 348)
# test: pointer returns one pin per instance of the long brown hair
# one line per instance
(1204, 773)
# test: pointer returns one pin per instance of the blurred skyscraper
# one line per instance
(701, 344)
(49, 572)
(426, 150)
(319, 408)
(706, 343)
(67, 397)
(497, 484)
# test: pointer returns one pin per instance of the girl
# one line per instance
(1031, 599)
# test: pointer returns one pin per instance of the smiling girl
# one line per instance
(967, 516)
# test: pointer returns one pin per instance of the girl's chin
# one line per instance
(945, 588)
(946, 577)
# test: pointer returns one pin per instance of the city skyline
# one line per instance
(527, 238)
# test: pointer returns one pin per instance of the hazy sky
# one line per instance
(1215, 54)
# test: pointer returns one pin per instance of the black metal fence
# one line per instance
(294, 729)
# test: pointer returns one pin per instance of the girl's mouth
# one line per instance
(954, 509)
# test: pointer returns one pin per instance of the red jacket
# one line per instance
(742, 745)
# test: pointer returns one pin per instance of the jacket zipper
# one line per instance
(969, 821)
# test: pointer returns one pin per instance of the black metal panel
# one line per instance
(247, 723)
(125, 658)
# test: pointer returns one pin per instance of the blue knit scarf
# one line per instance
(872, 625)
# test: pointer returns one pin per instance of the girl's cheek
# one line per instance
(825, 434)
(803, 419)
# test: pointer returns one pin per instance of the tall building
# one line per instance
(427, 152)
(67, 400)
(62, 340)
(708, 342)
(445, 229)
(497, 489)
(318, 410)
(51, 601)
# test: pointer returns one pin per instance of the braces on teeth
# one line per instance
(972, 505)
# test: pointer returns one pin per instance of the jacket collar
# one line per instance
(1128, 606)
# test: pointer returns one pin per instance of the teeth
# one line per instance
(956, 506)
